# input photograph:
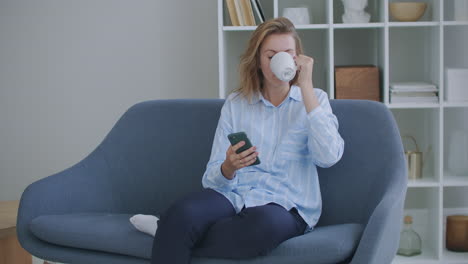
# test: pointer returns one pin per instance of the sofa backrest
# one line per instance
(373, 163)
(158, 151)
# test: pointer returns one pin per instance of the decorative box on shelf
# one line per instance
(357, 82)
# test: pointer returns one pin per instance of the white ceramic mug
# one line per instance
(283, 66)
(297, 15)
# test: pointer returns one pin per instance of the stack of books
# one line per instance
(413, 92)
(242, 14)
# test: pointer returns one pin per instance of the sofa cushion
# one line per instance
(96, 231)
(115, 234)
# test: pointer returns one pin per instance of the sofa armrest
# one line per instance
(380, 239)
(80, 188)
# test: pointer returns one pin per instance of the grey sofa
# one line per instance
(158, 152)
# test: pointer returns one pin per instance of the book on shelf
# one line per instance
(414, 99)
(413, 94)
(247, 12)
(241, 12)
(240, 15)
(258, 10)
(413, 87)
(232, 10)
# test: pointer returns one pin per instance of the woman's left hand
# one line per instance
(305, 66)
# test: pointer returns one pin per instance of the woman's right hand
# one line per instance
(236, 161)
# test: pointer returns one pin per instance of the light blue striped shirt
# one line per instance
(290, 143)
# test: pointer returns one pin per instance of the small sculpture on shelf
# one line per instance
(354, 11)
(298, 15)
(410, 242)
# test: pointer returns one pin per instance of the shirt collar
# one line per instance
(294, 93)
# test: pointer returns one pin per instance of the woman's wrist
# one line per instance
(226, 172)
(306, 84)
(309, 97)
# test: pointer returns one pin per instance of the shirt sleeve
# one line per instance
(324, 141)
(213, 177)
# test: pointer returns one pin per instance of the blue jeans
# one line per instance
(205, 224)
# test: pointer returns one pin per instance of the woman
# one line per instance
(246, 211)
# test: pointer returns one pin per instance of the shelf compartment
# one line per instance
(455, 203)
(428, 256)
(359, 25)
(423, 205)
(317, 9)
(455, 51)
(450, 257)
(449, 12)
(455, 131)
(267, 7)
(432, 12)
(374, 8)
(450, 180)
(313, 26)
(235, 43)
(360, 47)
(455, 104)
(422, 183)
(243, 28)
(455, 23)
(315, 45)
(417, 58)
(366, 47)
(426, 133)
(412, 105)
(413, 24)
(455, 56)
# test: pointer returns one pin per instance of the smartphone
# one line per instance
(235, 138)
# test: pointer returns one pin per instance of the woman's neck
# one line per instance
(276, 94)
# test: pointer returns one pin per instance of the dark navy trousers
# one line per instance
(205, 224)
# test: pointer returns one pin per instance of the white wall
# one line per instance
(69, 70)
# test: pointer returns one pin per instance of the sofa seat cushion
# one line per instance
(111, 233)
(325, 244)
(114, 233)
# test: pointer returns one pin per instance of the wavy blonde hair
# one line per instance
(250, 74)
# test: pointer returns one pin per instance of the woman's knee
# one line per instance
(196, 210)
(272, 224)
(181, 214)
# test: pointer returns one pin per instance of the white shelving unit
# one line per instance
(403, 51)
